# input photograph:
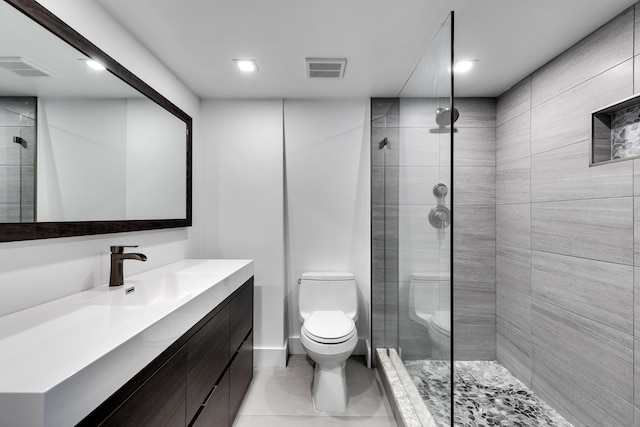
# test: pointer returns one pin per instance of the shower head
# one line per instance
(443, 116)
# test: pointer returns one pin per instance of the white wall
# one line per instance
(328, 199)
(321, 211)
(244, 155)
(38, 271)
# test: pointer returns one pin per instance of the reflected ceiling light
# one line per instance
(95, 65)
(463, 66)
(246, 65)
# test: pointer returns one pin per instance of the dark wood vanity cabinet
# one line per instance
(200, 380)
(159, 401)
(207, 358)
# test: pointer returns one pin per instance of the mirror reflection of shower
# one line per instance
(443, 116)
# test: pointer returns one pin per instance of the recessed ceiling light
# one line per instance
(246, 65)
(95, 65)
(463, 66)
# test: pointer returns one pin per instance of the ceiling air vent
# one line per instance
(23, 67)
(325, 68)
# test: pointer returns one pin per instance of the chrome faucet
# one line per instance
(117, 258)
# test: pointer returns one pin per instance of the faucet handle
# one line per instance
(120, 249)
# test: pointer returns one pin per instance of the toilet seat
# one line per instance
(441, 321)
(329, 327)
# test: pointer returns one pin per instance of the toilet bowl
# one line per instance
(328, 310)
(429, 300)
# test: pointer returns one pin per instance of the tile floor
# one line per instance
(485, 394)
(282, 397)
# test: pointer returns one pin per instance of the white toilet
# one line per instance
(328, 304)
(429, 305)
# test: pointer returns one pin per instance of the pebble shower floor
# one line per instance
(485, 394)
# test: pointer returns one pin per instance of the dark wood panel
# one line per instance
(160, 402)
(216, 411)
(207, 357)
(241, 375)
(240, 317)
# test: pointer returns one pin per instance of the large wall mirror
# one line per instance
(82, 150)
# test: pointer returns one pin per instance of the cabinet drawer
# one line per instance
(241, 374)
(240, 317)
(158, 402)
(216, 411)
(207, 356)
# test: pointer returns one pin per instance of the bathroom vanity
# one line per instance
(172, 347)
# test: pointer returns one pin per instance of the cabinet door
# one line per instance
(207, 356)
(159, 402)
(216, 412)
(241, 317)
(241, 374)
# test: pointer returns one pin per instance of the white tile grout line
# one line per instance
(409, 404)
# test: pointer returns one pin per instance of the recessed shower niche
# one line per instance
(615, 132)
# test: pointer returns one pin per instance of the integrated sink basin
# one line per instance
(162, 289)
(65, 357)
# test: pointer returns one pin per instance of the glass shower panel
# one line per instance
(412, 139)
(425, 225)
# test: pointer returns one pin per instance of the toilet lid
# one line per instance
(329, 327)
(442, 321)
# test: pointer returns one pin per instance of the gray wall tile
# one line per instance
(477, 343)
(513, 181)
(584, 228)
(474, 263)
(514, 139)
(636, 73)
(606, 47)
(416, 184)
(513, 310)
(474, 304)
(581, 400)
(564, 174)
(10, 184)
(384, 112)
(9, 150)
(636, 304)
(417, 147)
(475, 225)
(476, 112)
(564, 119)
(600, 291)
(475, 147)
(636, 373)
(514, 354)
(474, 185)
(418, 112)
(636, 176)
(636, 41)
(513, 225)
(514, 102)
(513, 269)
(601, 353)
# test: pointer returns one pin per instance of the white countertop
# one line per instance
(60, 360)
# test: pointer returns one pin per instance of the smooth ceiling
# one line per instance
(382, 40)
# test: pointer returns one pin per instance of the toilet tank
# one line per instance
(328, 291)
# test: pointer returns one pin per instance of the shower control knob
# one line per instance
(440, 190)
(440, 217)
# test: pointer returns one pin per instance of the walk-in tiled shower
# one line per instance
(483, 289)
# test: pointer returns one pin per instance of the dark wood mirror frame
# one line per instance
(44, 230)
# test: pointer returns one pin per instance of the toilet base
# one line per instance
(329, 389)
